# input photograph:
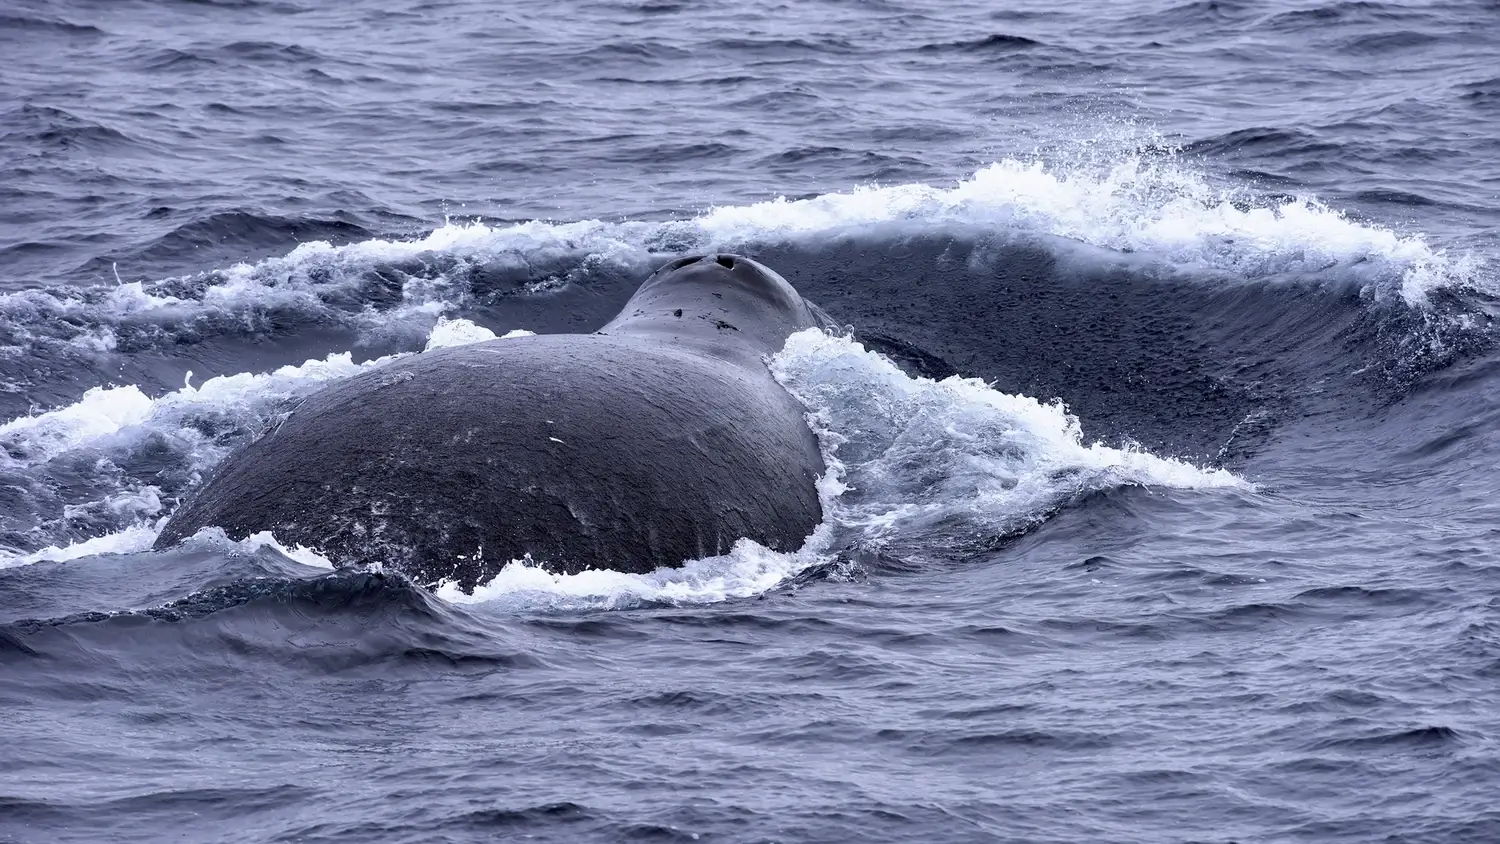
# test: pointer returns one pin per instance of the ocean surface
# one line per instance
(1164, 435)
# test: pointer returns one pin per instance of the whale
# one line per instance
(660, 438)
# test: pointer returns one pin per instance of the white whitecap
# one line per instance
(131, 540)
(1131, 203)
(101, 412)
(934, 463)
(748, 569)
(455, 331)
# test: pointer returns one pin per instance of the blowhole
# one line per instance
(725, 261)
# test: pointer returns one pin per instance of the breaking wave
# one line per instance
(1155, 206)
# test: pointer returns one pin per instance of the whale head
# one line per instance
(729, 304)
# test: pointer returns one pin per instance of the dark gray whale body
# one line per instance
(659, 439)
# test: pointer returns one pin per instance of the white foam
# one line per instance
(462, 332)
(140, 537)
(928, 464)
(1134, 204)
(131, 540)
(137, 503)
(456, 332)
(748, 569)
(106, 416)
(1123, 201)
(101, 412)
(906, 457)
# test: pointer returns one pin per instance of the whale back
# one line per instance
(579, 451)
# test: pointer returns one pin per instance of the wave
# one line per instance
(1345, 12)
(227, 230)
(23, 22)
(365, 619)
(748, 569)
(1152, 206)
(55, 128)
(995, 42)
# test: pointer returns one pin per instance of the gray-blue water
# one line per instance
(1246, 588)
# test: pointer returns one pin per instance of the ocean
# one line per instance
(1163, 501)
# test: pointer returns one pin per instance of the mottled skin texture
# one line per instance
(659, 439)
